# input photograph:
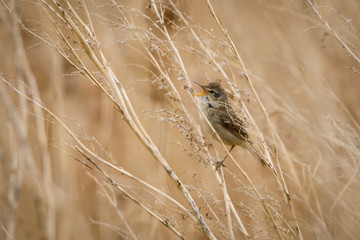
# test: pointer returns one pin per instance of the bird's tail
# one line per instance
(249, 146)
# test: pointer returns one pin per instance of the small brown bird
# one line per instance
(213, 102)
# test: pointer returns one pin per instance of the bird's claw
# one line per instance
(219, 164)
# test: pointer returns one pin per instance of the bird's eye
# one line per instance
(211, 91)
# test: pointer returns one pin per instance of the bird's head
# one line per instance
(213, 91)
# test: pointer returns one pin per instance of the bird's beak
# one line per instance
(200, 94)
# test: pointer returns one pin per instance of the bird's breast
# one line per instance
(212, 111)
(208, 110)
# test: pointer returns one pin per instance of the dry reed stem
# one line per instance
(17, 171)
(23, 160)
(346, 110)
(179, 58)
(174, 90)
(227, 205)
(332, 31)
(44, 186)
(110, 76)
(274, 132)
(118, 169)
(231, 157)
(165, 53)
(42, 138)
(117, 186)
(164, 31)
(184, 71)
(113, 202)
(249, 81)
(122, 102)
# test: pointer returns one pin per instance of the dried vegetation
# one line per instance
(100, 134)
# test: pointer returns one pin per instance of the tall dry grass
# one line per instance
(100, 130)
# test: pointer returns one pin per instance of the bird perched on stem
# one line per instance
(213, 102)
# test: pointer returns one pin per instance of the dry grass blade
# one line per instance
(122, 153)
(107, 176)
(124, 105)
(271, 165)
(163, 221)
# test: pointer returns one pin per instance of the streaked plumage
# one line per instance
(213, 102)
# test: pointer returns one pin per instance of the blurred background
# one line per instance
(303, 60)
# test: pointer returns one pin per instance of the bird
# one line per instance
(214, 104)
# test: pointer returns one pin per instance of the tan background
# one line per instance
(308, 82)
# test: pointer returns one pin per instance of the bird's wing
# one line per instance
(229, 120)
